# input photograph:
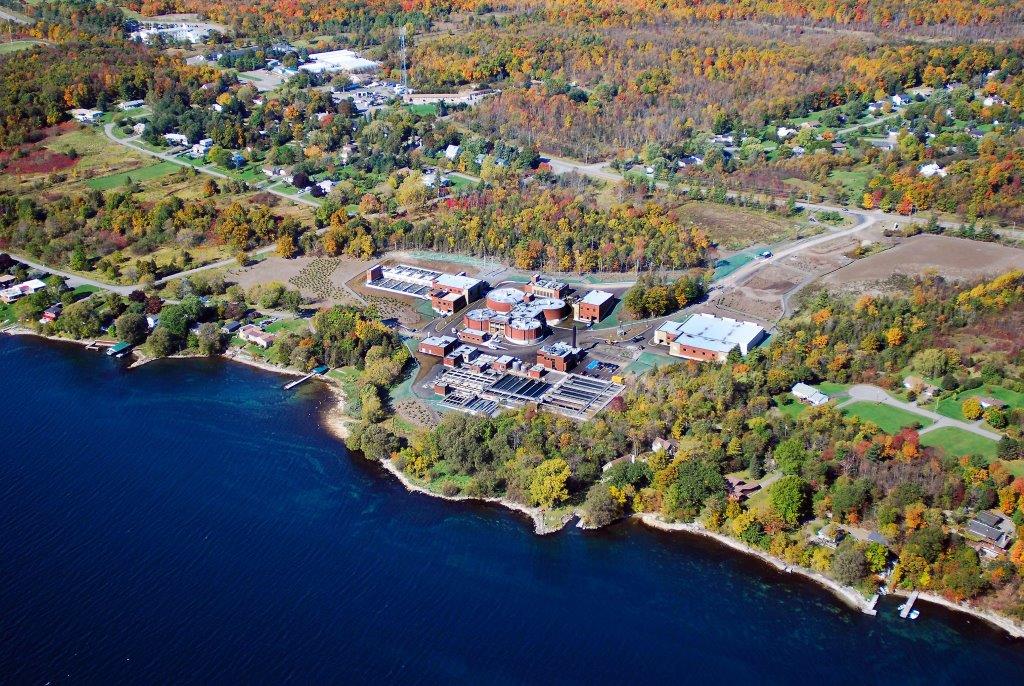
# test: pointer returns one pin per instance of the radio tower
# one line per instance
(405, 59)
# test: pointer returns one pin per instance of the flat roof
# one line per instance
(456, 281)
(718, 333)
(597, 297)
(437, 340)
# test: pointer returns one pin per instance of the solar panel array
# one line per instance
(402, 287)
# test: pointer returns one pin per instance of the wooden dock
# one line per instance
(870, 609)
(909, 605)
(292, 384)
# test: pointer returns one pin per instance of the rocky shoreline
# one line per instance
(337, 422)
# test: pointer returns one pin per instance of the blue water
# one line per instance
(189, 522)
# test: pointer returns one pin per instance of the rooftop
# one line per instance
(597, 297)
(717, 333)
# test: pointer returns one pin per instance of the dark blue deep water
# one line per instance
(190, 522)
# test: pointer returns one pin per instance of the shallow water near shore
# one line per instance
(190, 521)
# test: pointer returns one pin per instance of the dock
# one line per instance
(909, 605)
(869, 609)
(319, 371)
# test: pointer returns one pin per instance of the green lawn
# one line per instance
(293, 325)
(950, 407)
(957, 442)
(423, 110)
(889, 419)
(792, 407)
(853, 181)
(16, 45)
(832, 389)
(153, 171)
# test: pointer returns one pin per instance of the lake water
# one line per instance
(189, 521)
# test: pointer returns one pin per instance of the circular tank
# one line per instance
(552, 308)
(478, 319)
(504, 299)
(523, 330)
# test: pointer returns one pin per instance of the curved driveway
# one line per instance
(869, 393)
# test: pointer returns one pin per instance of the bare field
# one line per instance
(734, 228)
(955, 259)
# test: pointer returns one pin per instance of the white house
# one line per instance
(86, 116)
(930, 170)
(131, 104)
(176, 139)
(9, 295)
(809, 394)
(784, 132)
(201, 148)
(452, 151)
(327, 185)
(993, 100)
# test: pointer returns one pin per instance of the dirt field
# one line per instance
(956, 259)
(319, 279)
(734, 228)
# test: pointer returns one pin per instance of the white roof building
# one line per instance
(338, 60)
(597, 298)
(930, 170)
(86, 116)
(707, 337)
(809, 394)
(452, 151)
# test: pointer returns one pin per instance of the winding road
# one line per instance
(869, 393)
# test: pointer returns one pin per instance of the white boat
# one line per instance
(914, 614)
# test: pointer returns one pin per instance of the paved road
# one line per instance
(129, 142)
(857, 127)
(603, 172)
(74, 280)
(13, 17)
(875, 394)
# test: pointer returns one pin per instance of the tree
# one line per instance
(790, 456)
(600, 508)
(696, 481)
(161, 342)
(377, 442)
(789, 499)
(209, 339)
(547, 485)
(286, 246)
(877, 556)
(79, 261)
(849, 564)
(131, 327)
(971, 409)
(412, 192)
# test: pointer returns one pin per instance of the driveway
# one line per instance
(869, 393)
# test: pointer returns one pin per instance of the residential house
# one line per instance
(809, 394)
(664, 444)
(987, 527)
(251, 333)
(176, 139)
(85, 116)
(9, 295)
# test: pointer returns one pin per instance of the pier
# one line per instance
(319, 371)
(909, 605)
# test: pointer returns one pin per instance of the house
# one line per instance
(690, 160)
(452, 151)
(119, 349)
(85, 116)
(986, 526)
(664, 444)
(237, 160)
(9, 295)
(993, 100)
(922, 388)
(987, 401)
(231, 327)
(901, 100)
(830, 536)
(595, 306)
(201, 148)
(251, 333)
(176, 139)
(809, 394)
(51, 313)
(139, 128)
(740, 489)
(930, 170)
(799, 151)
(152, 321)
(784, 132)
(131, 104)
(327, 185)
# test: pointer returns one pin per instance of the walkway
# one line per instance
(869, 393)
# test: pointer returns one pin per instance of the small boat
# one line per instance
(900, 608)
(914, 614)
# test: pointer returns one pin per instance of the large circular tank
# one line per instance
(552, 308)
(478, 319)
(504, 299)
(523, 330)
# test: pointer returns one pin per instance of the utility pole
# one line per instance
(405, 56)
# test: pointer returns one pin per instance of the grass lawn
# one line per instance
(153, 171)
(832, 389)
(613, 319)
(950, 407)
(460, 182)
(853, 181)
(6, 313)
(16, 45)
(889, 419)
(957, 442)
(86, 289)
(289, 325)
(791, 407)
(423, 110)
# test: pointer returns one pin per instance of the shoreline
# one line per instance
(540, 527)
(850, 596)
(336, 422)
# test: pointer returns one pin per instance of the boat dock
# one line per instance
(870, 608)
(909, 605)
(319, 371)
